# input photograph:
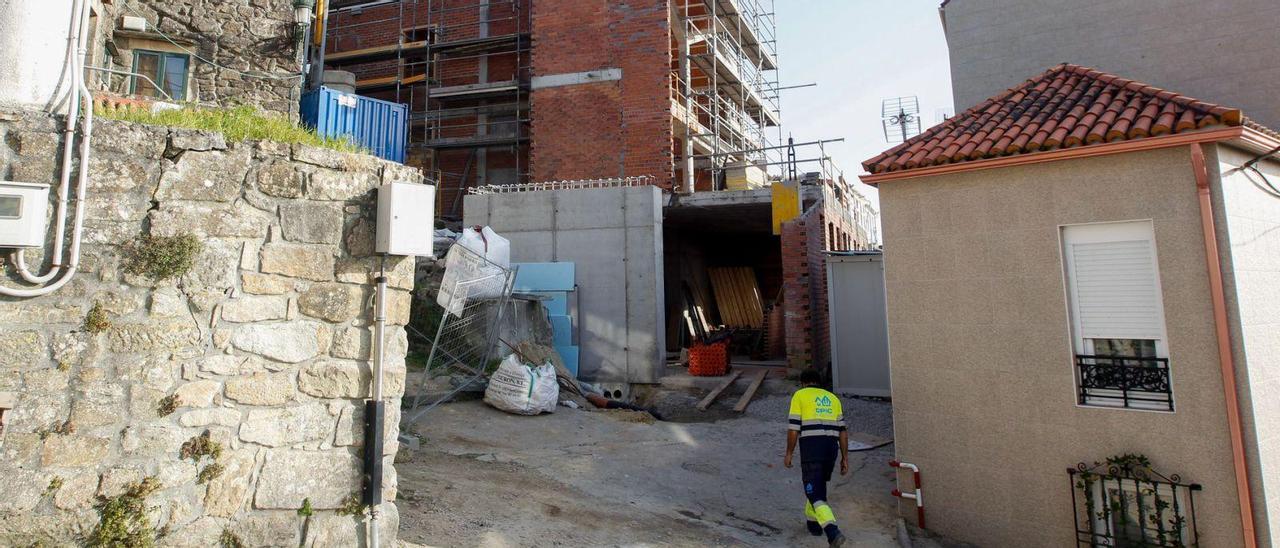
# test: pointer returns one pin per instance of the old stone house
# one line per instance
(1081, 279)
(213, 53)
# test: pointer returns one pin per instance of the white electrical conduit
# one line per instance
(81, 100)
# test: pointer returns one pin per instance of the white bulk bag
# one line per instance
(522, 389)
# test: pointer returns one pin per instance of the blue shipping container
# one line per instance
(377, 125)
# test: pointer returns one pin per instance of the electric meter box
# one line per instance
(406, 219)
(23, 214)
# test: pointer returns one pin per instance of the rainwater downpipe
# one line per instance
(1225, 360)
(375, 409)
(81, 102)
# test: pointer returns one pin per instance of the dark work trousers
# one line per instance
(816, 510)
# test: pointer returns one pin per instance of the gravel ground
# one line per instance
(578, 478)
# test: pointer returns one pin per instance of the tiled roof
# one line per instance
(1067, 106)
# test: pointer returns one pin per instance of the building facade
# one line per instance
(1081, 220)
(994, 44)
(517, 91)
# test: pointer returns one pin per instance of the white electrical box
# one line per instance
(137, 24)
(406, 219)
(23, 214)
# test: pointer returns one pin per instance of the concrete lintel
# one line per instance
(575, 78)
(726, 198)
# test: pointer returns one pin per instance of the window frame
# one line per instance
(160, 78)
(1080, 346)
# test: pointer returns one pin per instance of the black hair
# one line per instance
(810, 377)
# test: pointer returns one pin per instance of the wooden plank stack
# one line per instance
(737, 296)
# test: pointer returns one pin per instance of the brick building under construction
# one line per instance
(683, 93)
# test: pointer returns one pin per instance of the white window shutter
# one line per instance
(1114, 282)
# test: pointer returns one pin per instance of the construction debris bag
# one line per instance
(522, 389)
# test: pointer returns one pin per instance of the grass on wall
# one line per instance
(236, 124)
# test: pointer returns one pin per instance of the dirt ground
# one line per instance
(593, 478)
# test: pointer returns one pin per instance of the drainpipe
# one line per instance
(375, 410)
(1225, 360)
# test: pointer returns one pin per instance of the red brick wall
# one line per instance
(804, 290)
(605, 129)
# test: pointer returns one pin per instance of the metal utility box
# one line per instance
(859, 324)
(377, 125)
(406, 219)
(23, 214)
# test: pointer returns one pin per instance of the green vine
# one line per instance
(122, 519)
(97, 321)
(306, 511)
(199, 447)
(352, 506)
(162, 258)
(209, 473)
(230, 540)
(167, 405)
(54, 485)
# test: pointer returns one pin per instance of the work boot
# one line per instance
(814, 528)
(838, 541)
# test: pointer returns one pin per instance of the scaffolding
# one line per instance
(725, 87)
(462, 66)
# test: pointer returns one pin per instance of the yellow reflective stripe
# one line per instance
(824, 513)
(808, 512)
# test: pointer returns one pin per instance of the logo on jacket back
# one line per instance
(823, 401)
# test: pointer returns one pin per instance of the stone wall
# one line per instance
(263, 344)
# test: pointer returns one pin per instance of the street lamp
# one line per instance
(302, 10)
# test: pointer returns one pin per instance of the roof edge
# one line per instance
(1247, 136)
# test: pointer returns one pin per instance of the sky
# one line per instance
(859, 52)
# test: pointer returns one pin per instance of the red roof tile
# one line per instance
(1067, 106)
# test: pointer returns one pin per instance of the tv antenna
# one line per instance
(900, 117)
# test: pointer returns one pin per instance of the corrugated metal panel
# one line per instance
(377, 125)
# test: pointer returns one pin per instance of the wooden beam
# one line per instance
(756, 381)
(715, 393)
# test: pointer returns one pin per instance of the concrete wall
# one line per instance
(1221, 51)
(263, 344)
(1249, 236)
(614, 236)
(980, 349)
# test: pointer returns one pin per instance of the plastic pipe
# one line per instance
(372, 467)
(68, 148)
(82, 102)
(1225, 360)
(915, 495)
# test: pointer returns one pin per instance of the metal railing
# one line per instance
(461, 325)
(1124, 503)
(578, 184)
(1125, 381)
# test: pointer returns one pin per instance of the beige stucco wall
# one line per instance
(1222, 51)
(1249, 232)
(982, 372)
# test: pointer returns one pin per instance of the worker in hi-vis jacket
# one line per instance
(816, 424)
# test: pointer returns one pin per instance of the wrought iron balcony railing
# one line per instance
(1124, 381)
(1123, 503)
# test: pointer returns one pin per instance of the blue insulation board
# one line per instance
(544, 277)
(561, 330)
(558, 305)
(379, 126)
(553, 280)
(570, 356)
